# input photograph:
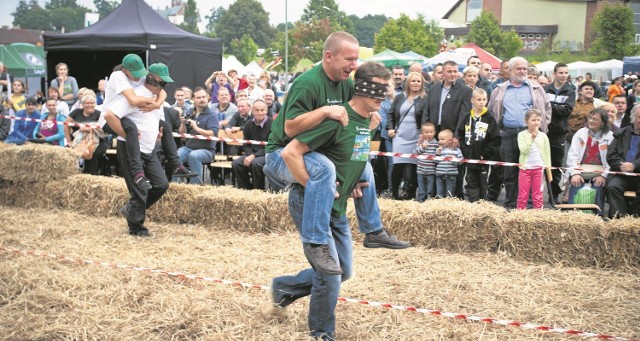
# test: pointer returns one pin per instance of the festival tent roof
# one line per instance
(546, 67)
(415, 55)
(484, 55)
(134, 27)
(391, 58)
(254, 68)
(232, 62)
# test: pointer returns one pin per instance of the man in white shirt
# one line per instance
(148, 127)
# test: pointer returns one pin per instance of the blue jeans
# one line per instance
(320, 191)
(445, 185)
(324, 289)
(426, 187)
(195, 158)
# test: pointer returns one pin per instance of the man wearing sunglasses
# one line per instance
(149, 128)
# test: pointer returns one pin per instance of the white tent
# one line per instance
(232, 62)
(601, 72)
(546, 67)
(254, 69)
(614, 65)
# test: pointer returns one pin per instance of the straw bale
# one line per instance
(450, 224)
(49, 299)
(623, 243)
(34, 162)
(572, 238)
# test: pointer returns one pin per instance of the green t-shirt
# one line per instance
(347, 147)
(311, 90)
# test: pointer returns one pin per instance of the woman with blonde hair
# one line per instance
(67, 86)
(403, 126)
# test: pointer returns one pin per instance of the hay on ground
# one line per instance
(47, 299)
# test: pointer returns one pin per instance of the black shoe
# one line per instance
(279, 297)
(143, 183)
(141, 232)
(184, 172)
(124, 211)
(384, 239)
(321, 260)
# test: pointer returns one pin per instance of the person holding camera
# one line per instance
(198, 121)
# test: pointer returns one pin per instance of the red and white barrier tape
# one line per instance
(343, 299)
(373, 153)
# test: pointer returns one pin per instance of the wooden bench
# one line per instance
(564, 207)
(630, 194)
(223, 166)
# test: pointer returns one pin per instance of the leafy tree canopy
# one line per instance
(191, 17)
(245, 17)
(406, 34)
(365, 28)
(244, 49)
(486, 33)
(613, 32)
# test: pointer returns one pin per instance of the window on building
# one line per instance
(474, 7)
(635, 7)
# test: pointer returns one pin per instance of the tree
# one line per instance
(322, 9)
(613, 32)
(486, 33)
(364, 29)
(31, 16)
(308, 39)
(280, 27)
(245, 17)
(244, 49)
(105, 7)
(191, 17)
(66, 14)
(212, 19)
(406, 34)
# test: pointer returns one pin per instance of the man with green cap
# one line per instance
(121, 84)
(148, 128)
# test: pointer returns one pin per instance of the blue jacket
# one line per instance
(57, 137)
(23, 130)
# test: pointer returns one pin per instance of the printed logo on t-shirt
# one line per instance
(362, 145)
(334, 101)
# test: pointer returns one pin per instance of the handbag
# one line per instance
(585, 195)
(589, 171)
(86, 146)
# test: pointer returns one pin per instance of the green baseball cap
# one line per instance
(162, 71)
(134, 64)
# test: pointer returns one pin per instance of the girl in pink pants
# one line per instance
(535, 155)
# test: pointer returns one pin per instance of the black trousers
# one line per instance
(139, 199)
(408, 172)
(494, 185)
(556, 142)
(509, 152)
(616, 185)
(477, 182)
(133, 146)
(167, 151)
(93, 166)
(256, 180)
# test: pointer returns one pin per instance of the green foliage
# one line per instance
(280, 27)
(317, 10)
(70, 18)
(486, 33)
(405, 34)
(279, 45)
(31, 16)
(213, 17)
(364, 29)
(105, 7)
(613, 32)
(191, 17)
(245, 17)
(244, 49)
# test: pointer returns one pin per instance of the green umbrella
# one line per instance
(23, 60)
(391, 58)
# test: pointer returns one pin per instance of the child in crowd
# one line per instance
(426, 168)
(535, 155)
(446, 170)
(479, 140)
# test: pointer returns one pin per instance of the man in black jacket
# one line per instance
(257, 128)
(562, 97)
(624, 156)
(5, 122)
(447, 104)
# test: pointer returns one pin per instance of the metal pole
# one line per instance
(286, 48)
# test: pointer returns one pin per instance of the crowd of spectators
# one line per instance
(424, 113)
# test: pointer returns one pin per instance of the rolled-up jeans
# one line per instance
(319, 195)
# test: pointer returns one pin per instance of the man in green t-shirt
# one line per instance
(314, 97)
(347, 147)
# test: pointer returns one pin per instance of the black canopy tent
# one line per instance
(133, 27)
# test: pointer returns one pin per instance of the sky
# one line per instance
(431, 9)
